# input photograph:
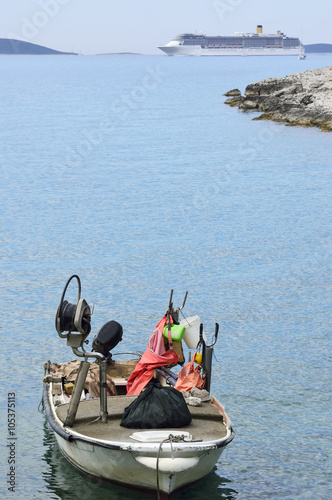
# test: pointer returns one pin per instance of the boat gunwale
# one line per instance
(71, 435)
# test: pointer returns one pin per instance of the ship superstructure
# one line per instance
(241, 44)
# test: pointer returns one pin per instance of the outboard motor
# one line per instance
(107, 338)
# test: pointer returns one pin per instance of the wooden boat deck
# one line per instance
(207, 421)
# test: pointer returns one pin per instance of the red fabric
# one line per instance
(189, 377)
(155, 356)
(156, 342)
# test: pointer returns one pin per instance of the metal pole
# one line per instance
(103, 390)
(76, 396)
(207, 365)
(102, 379)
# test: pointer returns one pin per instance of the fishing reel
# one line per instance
(73, 318)
(77, 318)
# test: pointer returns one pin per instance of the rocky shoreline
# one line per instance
(301, 99)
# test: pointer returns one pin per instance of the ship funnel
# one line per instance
(279, 33)
(259, 29)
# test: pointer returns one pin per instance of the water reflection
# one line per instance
(63, 481)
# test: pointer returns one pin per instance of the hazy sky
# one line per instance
(99, 26)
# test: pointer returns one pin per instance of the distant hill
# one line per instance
(318, 48)
(17, 47)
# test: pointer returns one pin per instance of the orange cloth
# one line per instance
(189, 377)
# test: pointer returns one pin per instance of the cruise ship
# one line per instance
(238, 44)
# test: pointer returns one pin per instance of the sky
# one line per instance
(107, 26)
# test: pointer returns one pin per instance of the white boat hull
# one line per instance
(134, 463)
(127, 468)
(197, 50)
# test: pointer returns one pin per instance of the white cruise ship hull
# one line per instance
(197, 50)
(238, 44)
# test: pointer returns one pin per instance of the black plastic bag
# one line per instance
(157, 407)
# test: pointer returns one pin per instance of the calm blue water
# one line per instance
(132, 173)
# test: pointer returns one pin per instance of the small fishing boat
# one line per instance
(302, 54)
(136, 422)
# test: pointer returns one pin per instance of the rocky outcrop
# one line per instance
(234, 92)
(301, 99)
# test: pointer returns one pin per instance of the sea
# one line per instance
(131, 172)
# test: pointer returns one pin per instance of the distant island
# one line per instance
(318, 48)
(18, 47)
(120, 54)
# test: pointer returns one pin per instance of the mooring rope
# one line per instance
(171, 439)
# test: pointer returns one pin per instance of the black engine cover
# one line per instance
(107, 337)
